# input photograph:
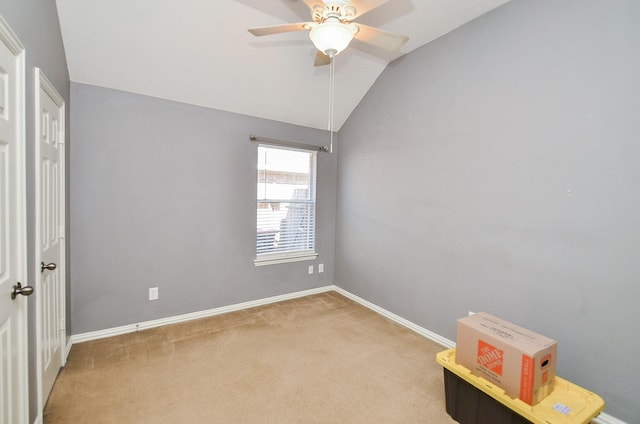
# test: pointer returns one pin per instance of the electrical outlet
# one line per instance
(153, 293)
(320, 268)
(310, 269)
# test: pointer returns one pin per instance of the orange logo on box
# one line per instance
(490, 357)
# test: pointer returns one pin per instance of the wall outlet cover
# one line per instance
(153, 293)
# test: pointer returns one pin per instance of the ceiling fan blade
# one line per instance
(285, 10)
(380, 38)
(278, 29)
(364, 6)
(321, 59)
(311, 3)
(370, 49)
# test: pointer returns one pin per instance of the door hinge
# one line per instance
(61, 231)
(62, 324)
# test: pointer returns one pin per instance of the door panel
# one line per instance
(50, 310)
(13, 312)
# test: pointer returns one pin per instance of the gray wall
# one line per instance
(497, 170)
(163, 194)
(35, 22)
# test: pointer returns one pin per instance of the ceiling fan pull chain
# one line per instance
(331, 95)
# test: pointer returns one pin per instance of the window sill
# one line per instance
(282, 259)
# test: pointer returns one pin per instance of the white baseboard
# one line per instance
(398, 319)
(131, 328)
(68, 349)
(38, 419)
(603, 418)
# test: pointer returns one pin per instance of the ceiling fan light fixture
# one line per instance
(332, 37)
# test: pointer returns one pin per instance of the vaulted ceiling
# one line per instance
(200, 52)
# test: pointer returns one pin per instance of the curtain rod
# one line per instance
(254, 137)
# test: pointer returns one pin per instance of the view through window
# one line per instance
(286, 203)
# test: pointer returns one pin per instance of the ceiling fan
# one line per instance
(333, 28)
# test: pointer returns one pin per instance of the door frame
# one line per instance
(41, 82)
(9, 38)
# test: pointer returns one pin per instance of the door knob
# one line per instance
(18, 289)
(50, 266)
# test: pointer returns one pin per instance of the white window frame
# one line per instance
(293, 255)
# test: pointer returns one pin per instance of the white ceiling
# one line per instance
(200, 52)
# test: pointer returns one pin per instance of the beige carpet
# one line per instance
(317, 359)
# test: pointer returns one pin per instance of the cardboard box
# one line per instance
(519, 361)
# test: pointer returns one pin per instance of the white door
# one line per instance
(50, 219)
(13, 270)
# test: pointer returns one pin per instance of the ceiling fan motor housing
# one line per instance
(337, 2)
(336, 11)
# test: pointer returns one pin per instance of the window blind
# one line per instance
(286, 202)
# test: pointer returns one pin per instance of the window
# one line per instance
(286, 205)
